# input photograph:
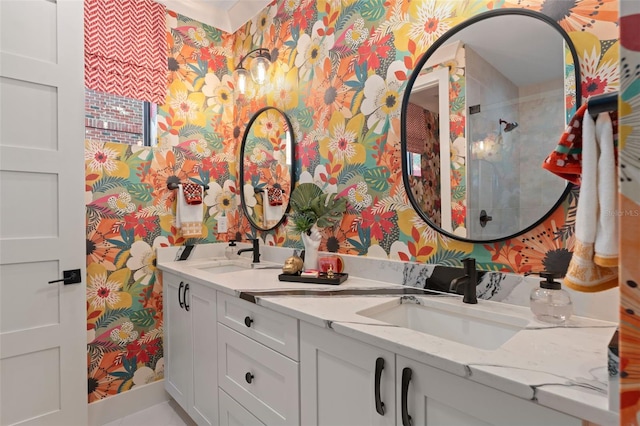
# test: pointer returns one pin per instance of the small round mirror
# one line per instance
(484, 107)
(266, 168)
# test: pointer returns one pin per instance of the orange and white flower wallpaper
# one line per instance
(339, 76)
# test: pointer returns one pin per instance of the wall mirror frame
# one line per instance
(428, 75)
(267, 168)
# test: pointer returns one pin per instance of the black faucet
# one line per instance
(469, 281)
(255, 250)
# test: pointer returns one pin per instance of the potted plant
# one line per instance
(312, 208)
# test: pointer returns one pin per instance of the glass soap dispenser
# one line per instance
(549, 302)
(231, 251)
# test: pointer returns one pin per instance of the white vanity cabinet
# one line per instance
(257, 363)
(234, 414)
(341, 384)
(429, 396)
(344, 381)
(190, 347)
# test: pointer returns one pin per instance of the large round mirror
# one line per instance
(266, 168)
(483, 108)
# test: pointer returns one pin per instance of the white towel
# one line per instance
(606, 246)
(189, 217)
(272, 214)
(596, 218)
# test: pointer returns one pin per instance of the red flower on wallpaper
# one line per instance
(307, 153)
(372, 51)
(303, 17)
(141, 224)
(593, 86)
(216, 169)
(142, 349)
(216, 62)
(459, 213)
(379, 222)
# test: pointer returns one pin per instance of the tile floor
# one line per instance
(167, 413)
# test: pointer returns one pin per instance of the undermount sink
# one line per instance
(457, 322)
(220, 266)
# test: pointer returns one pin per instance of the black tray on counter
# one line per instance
(338, 278)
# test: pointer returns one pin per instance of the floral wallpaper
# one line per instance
(339, 76)
(629, 110)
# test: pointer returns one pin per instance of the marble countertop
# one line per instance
(561, 367)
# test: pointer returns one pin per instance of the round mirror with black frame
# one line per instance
(485, 105)
(266, 168)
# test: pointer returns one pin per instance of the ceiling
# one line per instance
(227, 16)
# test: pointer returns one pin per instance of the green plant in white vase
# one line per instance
(312, 208)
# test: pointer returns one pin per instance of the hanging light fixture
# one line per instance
(259, 68)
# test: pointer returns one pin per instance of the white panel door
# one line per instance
(43, 362)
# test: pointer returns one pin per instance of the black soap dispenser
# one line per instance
(549, 302)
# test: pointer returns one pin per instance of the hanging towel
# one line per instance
(275, 196)
(595, 225)
(189, 216)
(606, 246)
(566, 160)
(192, 193)
(272, 213)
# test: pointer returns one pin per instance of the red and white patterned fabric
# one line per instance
(192, 193)
(125, 45)
(275, 195)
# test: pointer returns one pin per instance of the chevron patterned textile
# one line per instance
(125, 48)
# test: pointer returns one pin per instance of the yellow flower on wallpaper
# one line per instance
(187, 105)
(342, 139)
(268, 125)
(428, 21)
(219, 94)
(104, 291)
(105, 160)
(599, 71)
(283, 86)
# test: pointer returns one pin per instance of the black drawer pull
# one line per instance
(186, 289)
(248, 377)
(248, 321)
(378, 376)
(180, 302)
(406, 378)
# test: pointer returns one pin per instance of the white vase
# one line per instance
(311, 244)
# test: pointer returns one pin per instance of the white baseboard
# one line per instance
(126, 403)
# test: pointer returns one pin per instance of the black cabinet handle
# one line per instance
(186, 289)
(180, 302)
(379, 368)
(248, 377)
(406, 378)
(248, 321)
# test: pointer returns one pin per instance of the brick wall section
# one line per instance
(111, 118)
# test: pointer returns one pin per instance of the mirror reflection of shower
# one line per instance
(508, 126)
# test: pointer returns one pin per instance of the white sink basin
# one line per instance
(220, 266)
(466, 324)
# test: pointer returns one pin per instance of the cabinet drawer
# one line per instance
(234, 414)
(272, 329)
(260, 379)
